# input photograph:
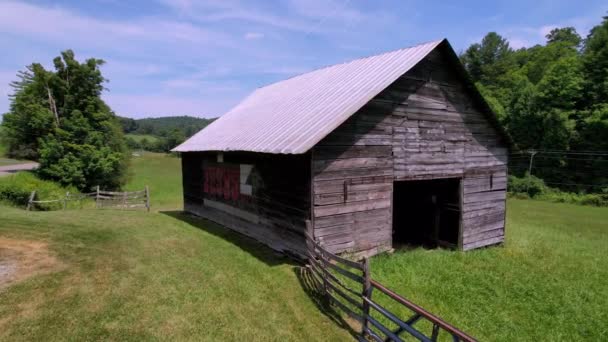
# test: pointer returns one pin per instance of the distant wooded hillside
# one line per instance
(187, 125)
(161, 134)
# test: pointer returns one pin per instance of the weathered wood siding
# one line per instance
(426, 125)
(275, 211)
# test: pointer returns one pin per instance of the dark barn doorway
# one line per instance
(426, 213)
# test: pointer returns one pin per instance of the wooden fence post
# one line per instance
(148, 198)
(367, 293)
(30, 201)
(65, 200)
(97, 197)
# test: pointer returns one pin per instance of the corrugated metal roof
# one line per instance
(293, 115)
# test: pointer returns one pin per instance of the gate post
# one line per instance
(30, 201)
(367, 293)
(97, 197)
(65, 200)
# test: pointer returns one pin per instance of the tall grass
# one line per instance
(16, 189)
(547, 283)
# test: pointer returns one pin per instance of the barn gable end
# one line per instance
(426, 125)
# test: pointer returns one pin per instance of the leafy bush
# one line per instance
(16, 189)
(534, 187)
(598, 200)
(529, 185)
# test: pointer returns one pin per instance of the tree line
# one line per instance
(551, 97)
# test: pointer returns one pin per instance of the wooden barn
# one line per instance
(384, 151)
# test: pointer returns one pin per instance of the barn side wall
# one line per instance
(426, 125)
(266, 197)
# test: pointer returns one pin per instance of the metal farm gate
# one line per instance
(348, 286)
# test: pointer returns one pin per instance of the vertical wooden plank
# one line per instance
(460, 219)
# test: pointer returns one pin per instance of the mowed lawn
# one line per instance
(131, 275)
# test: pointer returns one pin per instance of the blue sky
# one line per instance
(176, 57)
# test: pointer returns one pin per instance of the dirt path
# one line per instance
(9, 169)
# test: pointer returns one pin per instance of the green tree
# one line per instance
(562, 85)
(540, 58)
(564, 35)
(30, 117)
(61, 119)
(524, 123)
(493, 102)
(485, 62)
(595, 64)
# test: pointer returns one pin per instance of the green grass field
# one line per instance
(139, 137)
(548, 283)
(162, 173)
(131, 275)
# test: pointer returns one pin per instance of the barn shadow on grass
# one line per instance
(249, 245)
(271, 258)
(308, 283)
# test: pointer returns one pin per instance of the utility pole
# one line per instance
(532, 154)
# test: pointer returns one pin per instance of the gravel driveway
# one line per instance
(9, 169)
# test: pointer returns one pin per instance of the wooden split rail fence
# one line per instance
(348, 286)
(103, 199)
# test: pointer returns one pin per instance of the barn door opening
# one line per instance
(426, 213)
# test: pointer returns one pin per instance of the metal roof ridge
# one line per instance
(430, 42)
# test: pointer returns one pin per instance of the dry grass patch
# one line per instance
(22, 259)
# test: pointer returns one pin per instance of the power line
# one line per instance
(599, 185)
(597, 153)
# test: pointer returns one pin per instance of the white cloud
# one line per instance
(323, 17)
(518, 43)
(338, 10)
(181, 83)
(528, 36)
(63, 26)
(253, 35)
(151, 105)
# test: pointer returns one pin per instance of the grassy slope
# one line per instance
(548, 283)
(130, 275)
